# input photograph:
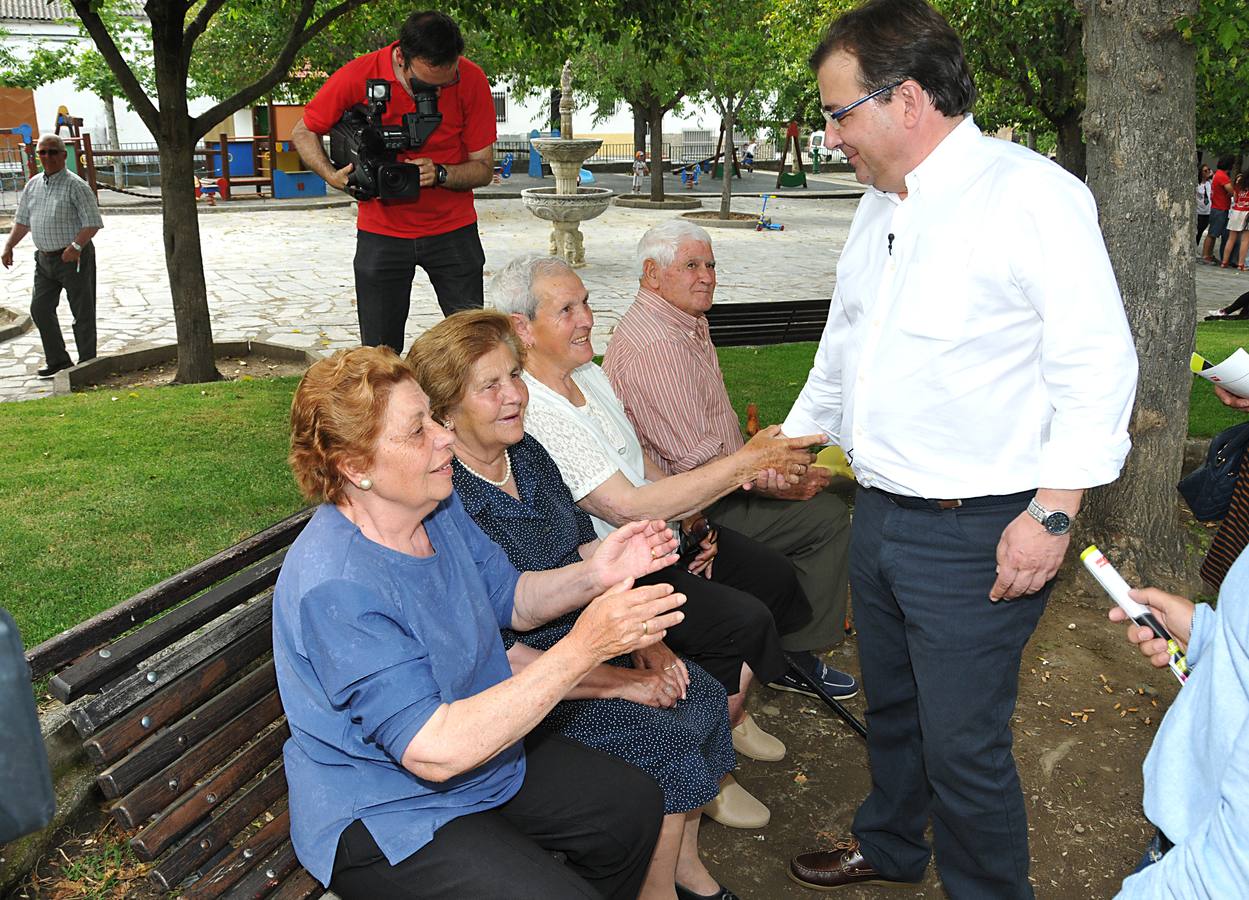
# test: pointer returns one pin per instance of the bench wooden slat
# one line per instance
(198, 803)
(98, 712)
(298, 886)
(165, 786)
(241, 859)
(213, 836)
(266, 876)
(98, 669)
(180, 737)
(67, 646)
(181, 697)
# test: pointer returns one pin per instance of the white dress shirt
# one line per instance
(976, 343)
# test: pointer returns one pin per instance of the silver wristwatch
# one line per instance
(77, 246)
(1056, 522)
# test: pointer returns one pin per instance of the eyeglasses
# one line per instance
(50, 152)
(834, 116)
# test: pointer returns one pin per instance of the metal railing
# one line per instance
(679, 152)
(13, 174)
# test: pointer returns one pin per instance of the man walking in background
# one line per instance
(60, 212)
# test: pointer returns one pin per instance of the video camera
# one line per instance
(373, 149)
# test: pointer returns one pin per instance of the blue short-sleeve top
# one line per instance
(368, 643)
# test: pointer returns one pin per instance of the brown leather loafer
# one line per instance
(827, 870)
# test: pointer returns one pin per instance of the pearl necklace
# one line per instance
(507, 471)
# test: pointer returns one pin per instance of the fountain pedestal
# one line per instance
(566, 205)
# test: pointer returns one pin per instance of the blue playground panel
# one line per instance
(297, 184)
(242, 159)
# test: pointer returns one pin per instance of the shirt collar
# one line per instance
(48, 179)
(944, 165)
(670, 315)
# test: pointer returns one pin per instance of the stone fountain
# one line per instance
(566, 204)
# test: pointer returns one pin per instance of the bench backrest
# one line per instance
(767, 322)
(182, 718)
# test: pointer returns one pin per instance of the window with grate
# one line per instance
(500, 106)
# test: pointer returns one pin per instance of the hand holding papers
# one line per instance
(1232, 374)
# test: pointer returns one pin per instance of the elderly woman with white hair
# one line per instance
(742, 597)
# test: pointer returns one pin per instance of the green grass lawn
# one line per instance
(105, 493)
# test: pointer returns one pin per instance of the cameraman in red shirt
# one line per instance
(438, 229)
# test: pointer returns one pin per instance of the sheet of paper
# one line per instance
(1232, 374)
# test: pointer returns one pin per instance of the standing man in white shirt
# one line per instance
(978, 370)
(61, 212)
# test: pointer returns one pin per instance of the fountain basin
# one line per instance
(586, 203)
(567, 150)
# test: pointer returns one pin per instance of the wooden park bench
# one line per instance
(767, 322)
(181, 718)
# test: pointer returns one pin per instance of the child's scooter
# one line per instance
(765, 222)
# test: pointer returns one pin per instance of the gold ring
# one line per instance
(673, 666)
(654, 553)
(646, 628)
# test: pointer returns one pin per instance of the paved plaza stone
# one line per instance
(284, 275)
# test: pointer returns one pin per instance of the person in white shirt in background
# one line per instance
(978, 371)
(1204, 175)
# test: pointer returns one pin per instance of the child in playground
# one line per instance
(639, 169)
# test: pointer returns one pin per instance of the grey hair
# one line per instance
(50, 137)
(660, 242)
(511, 289)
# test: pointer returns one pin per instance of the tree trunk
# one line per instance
(1071, 151)
(726, 187)
(655, 112)
(639, 128)
(183, 257)
(110, 119)
(556, 96)
(1141, 98)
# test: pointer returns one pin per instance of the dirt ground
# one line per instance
(1089, 706)
(232, 368)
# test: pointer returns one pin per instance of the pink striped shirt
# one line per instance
(663, 367)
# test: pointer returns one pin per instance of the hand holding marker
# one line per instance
(1114, 585)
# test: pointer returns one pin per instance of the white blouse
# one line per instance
(589, 443)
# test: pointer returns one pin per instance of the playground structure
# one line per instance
(223, 164)
(797, 174)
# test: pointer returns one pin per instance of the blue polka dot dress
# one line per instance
(688, 749)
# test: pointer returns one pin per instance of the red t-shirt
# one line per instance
(1219, 198)
(468, 125)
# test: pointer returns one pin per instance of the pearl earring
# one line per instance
(366, 484)
(449, 425)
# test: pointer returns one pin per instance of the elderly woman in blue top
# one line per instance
(405, 763)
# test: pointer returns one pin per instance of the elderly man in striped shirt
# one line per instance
(663, 367)
(60, 211)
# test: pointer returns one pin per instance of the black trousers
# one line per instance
(385, 267)
(752, 598)
(52, 276)
(940, 672)
(597, 811)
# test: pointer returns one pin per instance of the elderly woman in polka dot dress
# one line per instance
(657, 711)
